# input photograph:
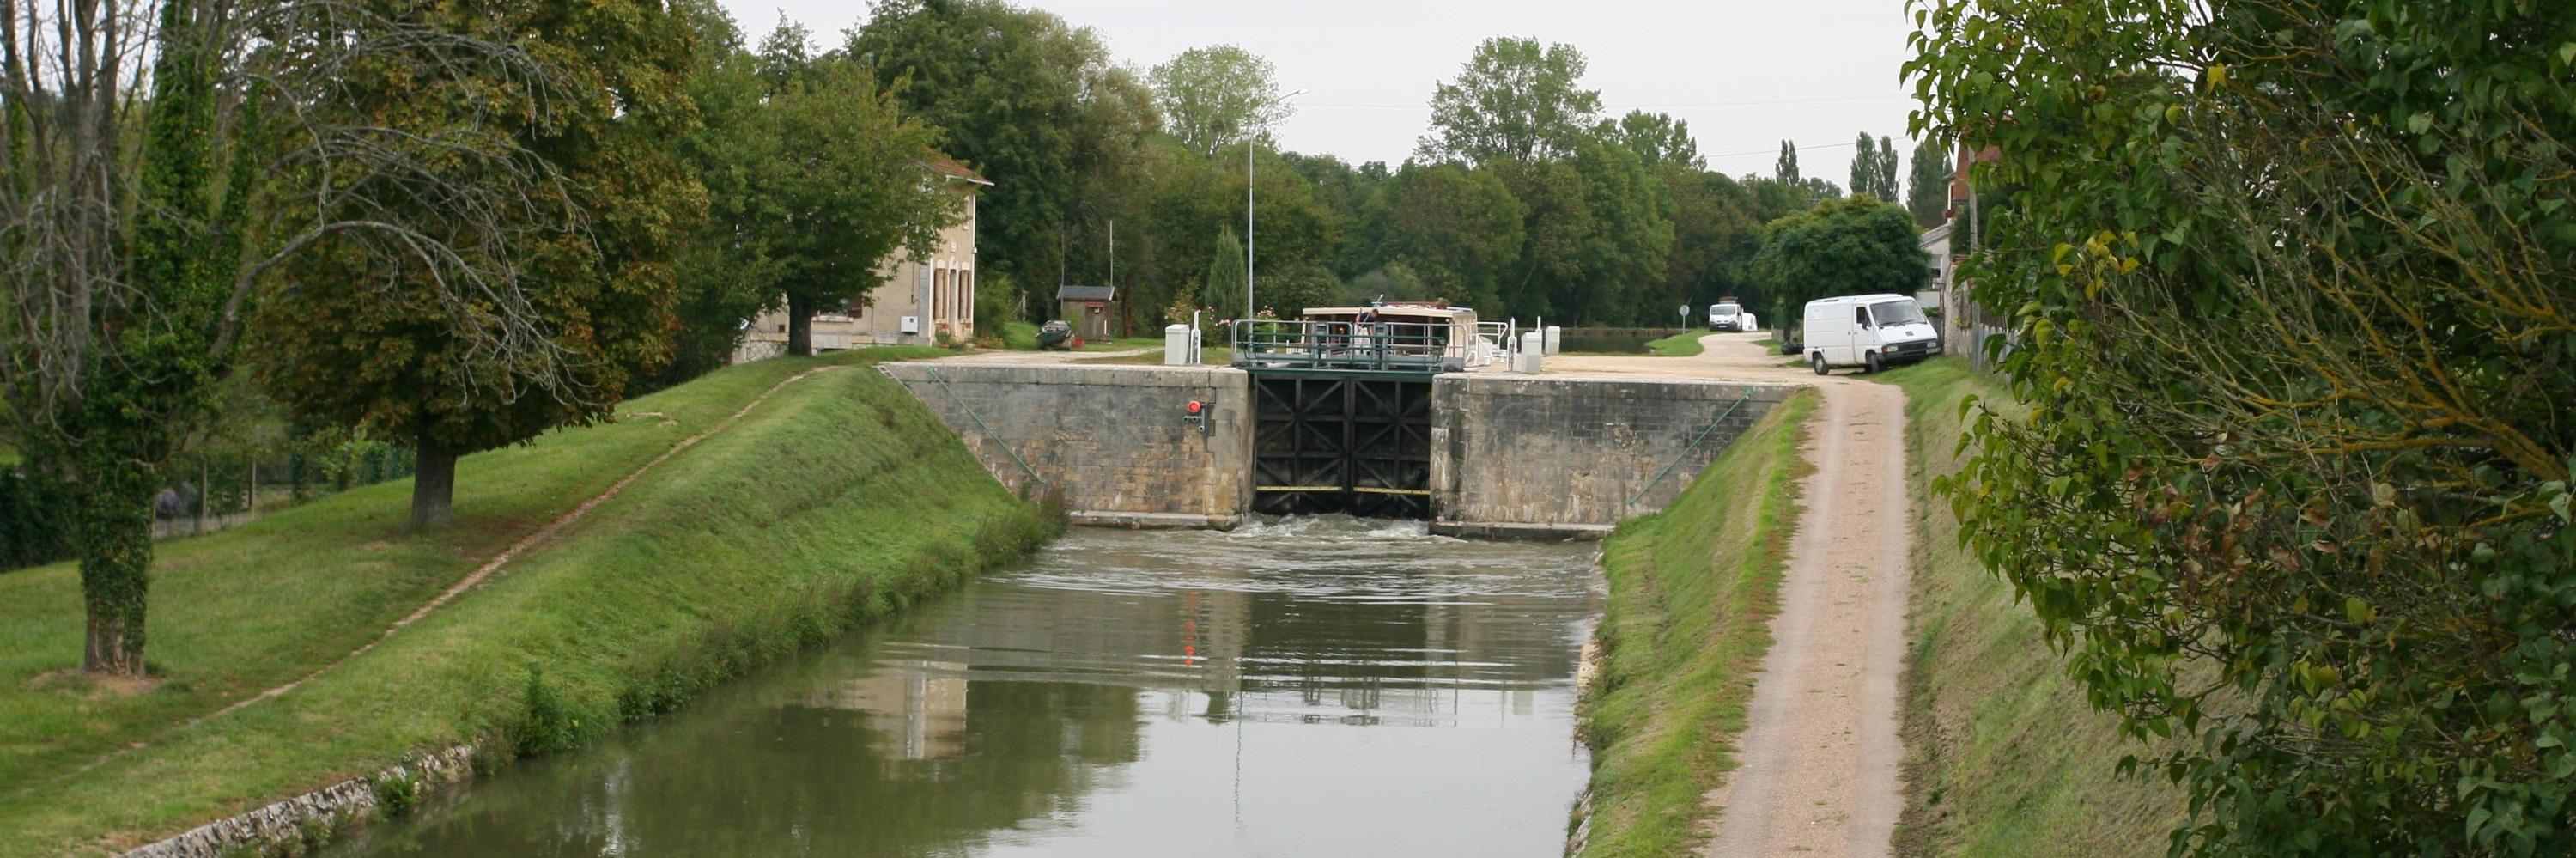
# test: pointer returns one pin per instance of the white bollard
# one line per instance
(1533, 345)
(1552, 331)
(1176, 345)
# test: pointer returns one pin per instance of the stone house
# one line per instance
(918, 301)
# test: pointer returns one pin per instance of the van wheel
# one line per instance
(1821, 368)
(1874, 365)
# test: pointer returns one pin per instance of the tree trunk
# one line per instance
(800, 327)
(433, 485)
(113, 530)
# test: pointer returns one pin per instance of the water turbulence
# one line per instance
(1302, 686)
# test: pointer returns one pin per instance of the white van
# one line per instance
(1724, 317)
(1872, 331)
(1730, 316)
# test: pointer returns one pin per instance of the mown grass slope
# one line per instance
(1692, 591)
(2005, 755)
(1684, 344)
(836, 500)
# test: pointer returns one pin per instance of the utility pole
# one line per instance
(1251, 141)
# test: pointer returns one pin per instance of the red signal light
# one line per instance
(1196, 406)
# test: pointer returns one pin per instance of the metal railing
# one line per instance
(1390, 346)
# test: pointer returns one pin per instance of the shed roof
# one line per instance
(1086, 293)
(949, 167)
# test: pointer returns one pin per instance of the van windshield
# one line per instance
(1897, 313)
(1724, 309)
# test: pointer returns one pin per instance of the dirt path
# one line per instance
(1819, 756)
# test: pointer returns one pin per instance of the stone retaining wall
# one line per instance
(1576, 454)
(290, 825)
(1109, 439)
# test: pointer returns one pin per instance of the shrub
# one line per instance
(2293, 342)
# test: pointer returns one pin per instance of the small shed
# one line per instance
(1091, 310)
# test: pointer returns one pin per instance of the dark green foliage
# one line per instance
(33, 528)
(546, 722)
(1873, 168)
(587, 273)
(1927, 189)
(1459, 230)
(1855, 245)
(396, 796)
(1034, 104)
(2289, 477)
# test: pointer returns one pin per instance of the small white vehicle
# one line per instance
(1870, 331)
(1725, 316)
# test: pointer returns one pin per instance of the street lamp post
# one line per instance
(1252, 140)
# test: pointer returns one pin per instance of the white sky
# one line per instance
(1744, 73)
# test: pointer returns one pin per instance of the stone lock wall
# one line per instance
(1110, 437)
(1552, 455)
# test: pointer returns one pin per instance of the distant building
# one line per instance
(916, 300)
(1936, 250)
(1091, 310)
(1963, 322)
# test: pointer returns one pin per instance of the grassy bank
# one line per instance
(2005, 756)
(837, 500)
(1692, 591)
(1684, 344)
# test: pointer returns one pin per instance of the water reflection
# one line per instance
(1307, 687)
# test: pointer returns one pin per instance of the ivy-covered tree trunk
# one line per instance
(800, 325)
(112, 526)
(433, 485)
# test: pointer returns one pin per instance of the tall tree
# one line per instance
(593, 259)
(1927, 189)
(1884, 183)
(1221, 282)
(133, 255)
(1030, 101)
(1864, 166)
(726, 272)
(1459, 231)
(837, 182)
(1597, 236)
(1217, 95)
(1514, 99)
(2287, 474)
(1786, 168)
(1656, 138)
(1851, 245)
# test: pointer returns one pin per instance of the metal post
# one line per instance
(1249, 141)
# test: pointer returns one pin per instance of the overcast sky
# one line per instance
(1745, 73)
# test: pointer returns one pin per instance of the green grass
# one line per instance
(1768, 343)
(2006, 757)
(1692, 591)
(1684, 344)
(837, 500)
(1020, 336)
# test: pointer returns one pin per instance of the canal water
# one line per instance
(1305, 686)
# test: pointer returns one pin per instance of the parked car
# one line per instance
(1057, 334)
(1725, 316)
(1870, 331)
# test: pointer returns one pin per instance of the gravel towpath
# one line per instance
(1819, 757)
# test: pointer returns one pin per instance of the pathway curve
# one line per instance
(1819, 757)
